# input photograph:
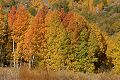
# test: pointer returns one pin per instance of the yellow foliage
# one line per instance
(38, 4)
(52, 1)
(55, 36)
(113, 51)
(98, 35)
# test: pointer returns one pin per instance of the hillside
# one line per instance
(55, 35)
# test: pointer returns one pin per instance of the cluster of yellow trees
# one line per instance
(58, 37)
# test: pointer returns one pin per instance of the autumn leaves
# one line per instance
(57, 39)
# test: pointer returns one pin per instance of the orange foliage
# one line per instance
(21, 21)
(62, 14)
(73, 23)
(11, 17)
(35, 35)
(0, 7)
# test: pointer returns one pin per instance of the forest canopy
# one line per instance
(77, 35)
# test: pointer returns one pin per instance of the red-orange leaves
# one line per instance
(11, 17)
(21, 21)
(27, 43)
(62, 14)
(74, 23)
(35, 36)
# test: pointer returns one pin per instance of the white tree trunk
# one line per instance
(14, 52)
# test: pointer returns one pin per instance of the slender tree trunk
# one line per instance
(29, 63)
(14, 51)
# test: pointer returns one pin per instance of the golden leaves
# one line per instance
(38, 4)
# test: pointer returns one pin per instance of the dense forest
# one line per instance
(77, 35)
